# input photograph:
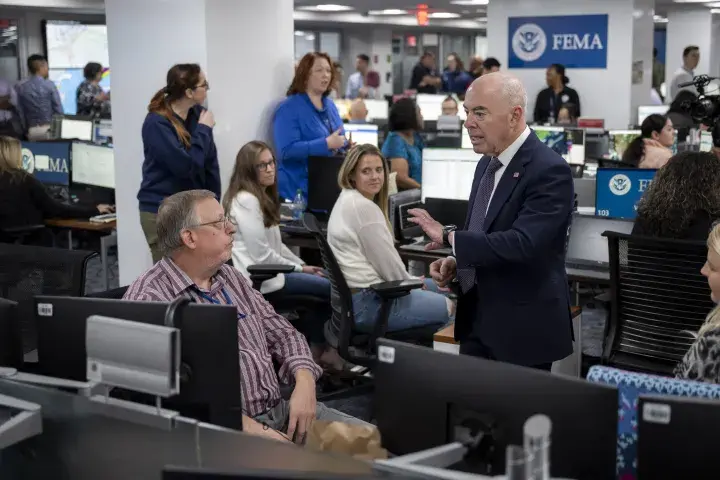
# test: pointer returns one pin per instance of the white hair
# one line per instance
(513, 92)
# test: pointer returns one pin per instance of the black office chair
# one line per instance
(658, 297)
(114, 294)
(354, 346)
(21, 235)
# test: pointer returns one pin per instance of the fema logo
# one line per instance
(620, 184)
(529, 42)
(28, 160)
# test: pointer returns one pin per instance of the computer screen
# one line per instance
(431, 106)
(618, 141)
(576, 146)
(587, 245)
(103, 132)
(618, 190)
(362, 133)
(377, 109)
(448, 173)
(93, 165)
(76, 129)
(49, 162)
(561, 141)
(645, 111)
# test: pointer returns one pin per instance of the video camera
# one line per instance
(705, 108)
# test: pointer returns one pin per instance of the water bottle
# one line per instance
(298, 205)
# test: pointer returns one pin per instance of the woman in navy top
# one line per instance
(306, 124)
(180, 151)
(455, 79)
(403, 146)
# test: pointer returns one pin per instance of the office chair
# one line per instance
(354, 346)
(115, 293)
(26, 271)
(658, 297)
(20, 235)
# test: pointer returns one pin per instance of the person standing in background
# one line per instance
(490, 65)
(476, 66)
(455, 79)
(306, 123)
(691, 58)
(92, 101)
(38, 99)
(180, 152)
(357, 82)
(425, 78)
(549, 101)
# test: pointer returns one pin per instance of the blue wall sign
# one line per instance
(618, 190)
(49, 162)
(576, 41)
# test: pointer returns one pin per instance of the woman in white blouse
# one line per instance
(253, 202)
(359, 235)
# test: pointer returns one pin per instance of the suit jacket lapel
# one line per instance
(479, 172)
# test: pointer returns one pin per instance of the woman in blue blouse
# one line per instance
(306, 124)
(403, 146)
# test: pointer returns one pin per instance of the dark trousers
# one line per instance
(475, 348)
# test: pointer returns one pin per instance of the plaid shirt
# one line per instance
(262, 333)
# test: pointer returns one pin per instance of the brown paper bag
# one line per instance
(361, 442)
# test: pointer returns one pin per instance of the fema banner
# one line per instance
(576, 41)
(49, 162)
(618, 191)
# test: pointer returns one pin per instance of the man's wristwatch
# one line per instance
(446, 232)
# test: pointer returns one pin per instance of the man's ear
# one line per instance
(188, 239)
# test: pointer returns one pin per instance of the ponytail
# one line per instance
(634, 152)
(160, 105)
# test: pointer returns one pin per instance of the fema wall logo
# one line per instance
(620, 184)
(28, 160)
(529, 42)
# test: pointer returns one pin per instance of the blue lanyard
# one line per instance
(213, 300)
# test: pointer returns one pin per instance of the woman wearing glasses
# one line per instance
(180, 151)
(253, 204)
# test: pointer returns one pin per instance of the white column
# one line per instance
(689, 27)
(642, 47)
(381, 60)
(246, 49)
(604, 93)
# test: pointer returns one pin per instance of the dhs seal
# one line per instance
(620, 184)
(529, 42)
(28, 160)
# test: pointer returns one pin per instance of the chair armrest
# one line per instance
(269, 269)
(22, 229)
(396, 288)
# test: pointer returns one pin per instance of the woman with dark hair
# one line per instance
(307, 123)
(652, 148)
(567, 114)
(549, 101)
(455, 79)
(91, 99)
(180, 151)
(252, 202)
(403, 146)
(683, 200)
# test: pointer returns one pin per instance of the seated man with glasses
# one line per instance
(196, 239)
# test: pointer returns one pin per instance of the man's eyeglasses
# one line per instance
(263, 166)
(224, 223)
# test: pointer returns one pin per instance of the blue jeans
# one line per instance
(312, 322)
(418, 309)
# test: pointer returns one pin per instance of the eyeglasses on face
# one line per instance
(263, 166)
(224, 223)
(204, 85)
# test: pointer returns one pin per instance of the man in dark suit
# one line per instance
(509, 259)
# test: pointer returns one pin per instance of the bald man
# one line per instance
(358, 112)
(509, 257)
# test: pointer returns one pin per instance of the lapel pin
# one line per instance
(516, 175)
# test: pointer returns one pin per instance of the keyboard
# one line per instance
(420, 247)
(104, 218)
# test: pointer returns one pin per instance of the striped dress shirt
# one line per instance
(263, 335)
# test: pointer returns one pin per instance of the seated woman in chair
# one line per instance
(652, 148)
(252, 201)
(359, 235)
(24, 201)
(683, 200)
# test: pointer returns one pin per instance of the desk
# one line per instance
(444, 341)
(107, 239)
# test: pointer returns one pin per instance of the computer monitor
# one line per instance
(430, 105)
(675, 437)
(362, 133)
(618, 141)
(585, 192)
(422, 395)
(323, 188)
(400, 225)
(77, 128)
(576, 146)
(618, 190)
(447, 211)
(93, 165)
(103, 134)
(11, 354)
(377, 109)
(569, 143)
(210, 389)
(448, 172)
(587, 246)
(49, 162)
(645, 111)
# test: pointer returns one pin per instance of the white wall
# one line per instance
(715, 41)
(642, 42)
(689, 27)
(603, 93)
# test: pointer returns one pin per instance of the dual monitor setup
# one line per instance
(68, 127)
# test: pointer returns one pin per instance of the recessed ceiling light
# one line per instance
(326, 7)
(469, 2)
(388, 11)
(443, 15)
(299, 33)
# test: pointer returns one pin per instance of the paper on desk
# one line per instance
(42, 162)
(361, 442)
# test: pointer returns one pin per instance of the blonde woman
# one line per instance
(359, 235)
(24, 200)
(702, 361)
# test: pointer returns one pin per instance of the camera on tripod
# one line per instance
(705, 108)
